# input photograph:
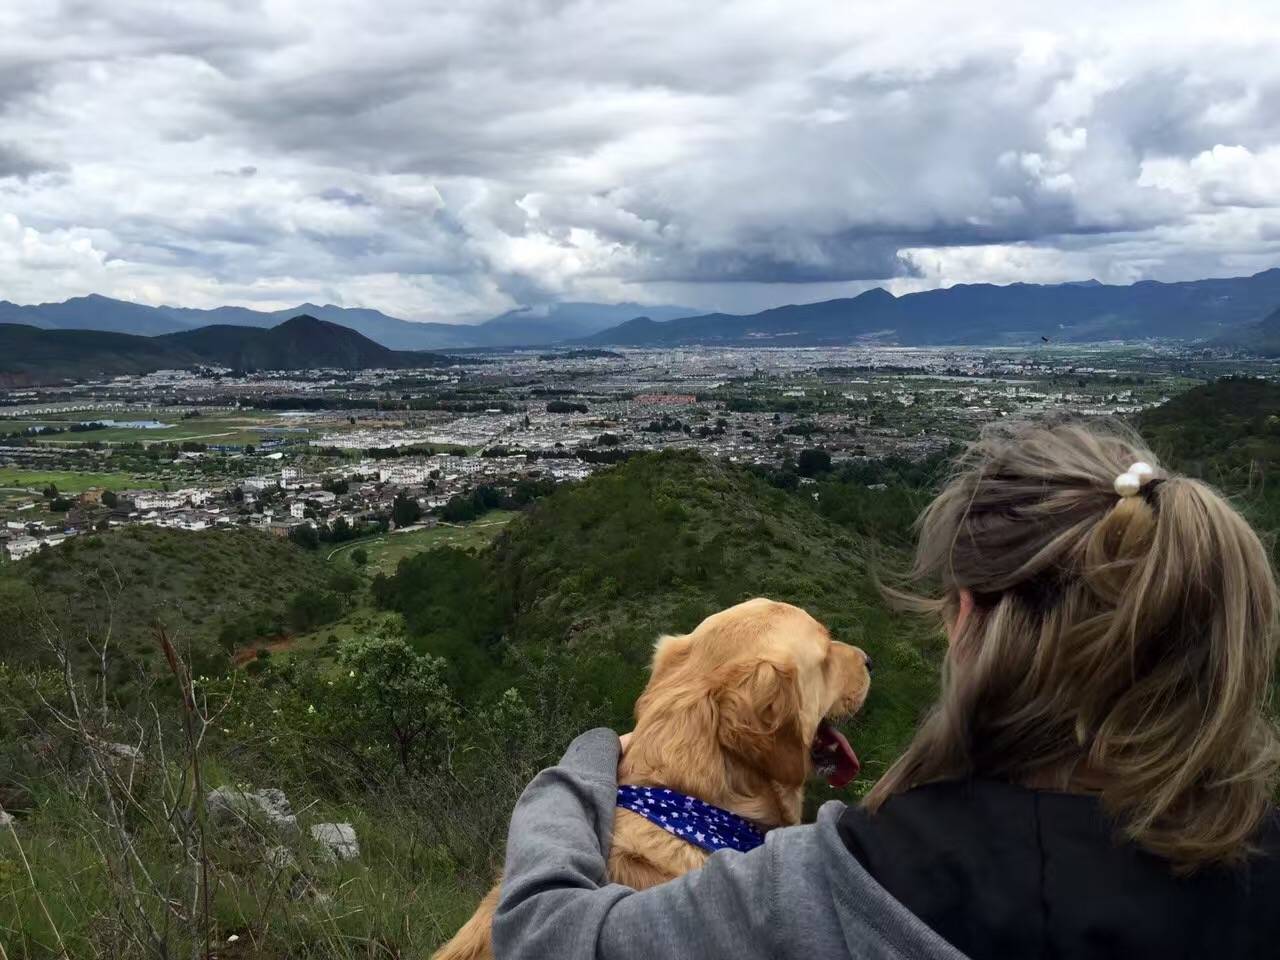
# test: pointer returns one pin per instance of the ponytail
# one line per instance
(1127, 641)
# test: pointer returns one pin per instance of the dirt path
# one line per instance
(248, 654)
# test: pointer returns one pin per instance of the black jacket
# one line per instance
(1005, 871)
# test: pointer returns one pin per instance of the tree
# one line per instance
(813, 462)
(343, 582)
(359, 556)
(50, 491)
(311, 607)
(305, 536)
(405, 510)
(109, 499)
(401, 694)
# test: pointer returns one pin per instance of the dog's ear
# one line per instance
(670, 653)
(758, 702)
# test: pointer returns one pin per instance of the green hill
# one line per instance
(128, 580)
(30, 355)
(302, 341)
(1225, 432)
(597, 571)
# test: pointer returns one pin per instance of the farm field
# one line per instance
(386, 551)
(232, 428)
(69, 481)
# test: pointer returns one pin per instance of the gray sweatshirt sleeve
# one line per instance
(557, 901)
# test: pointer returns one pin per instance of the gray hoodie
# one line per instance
(800, 895)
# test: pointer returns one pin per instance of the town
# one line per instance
(335, 455)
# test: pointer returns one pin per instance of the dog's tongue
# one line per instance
(846, 761)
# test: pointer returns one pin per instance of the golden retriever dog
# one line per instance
(737, 713)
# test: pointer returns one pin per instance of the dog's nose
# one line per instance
(869, 664)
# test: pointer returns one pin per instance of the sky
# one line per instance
(450, 161)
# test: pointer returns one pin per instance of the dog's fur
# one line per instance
(728, 716)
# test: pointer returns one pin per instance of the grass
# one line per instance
(402, 889)
(71, 481)
(134, 577)
(234, 429)
(386, 552)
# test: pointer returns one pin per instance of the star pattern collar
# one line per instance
(691, 819)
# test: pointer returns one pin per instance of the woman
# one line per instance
(1095, 781)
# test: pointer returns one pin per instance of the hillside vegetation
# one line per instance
(421, 730)
(124, 582)
(1227, 433)
(30, 355)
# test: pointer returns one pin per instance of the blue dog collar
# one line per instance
(690, 819)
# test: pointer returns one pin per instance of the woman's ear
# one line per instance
(759, 721)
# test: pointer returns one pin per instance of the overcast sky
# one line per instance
(449, 161)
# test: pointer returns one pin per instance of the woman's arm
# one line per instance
(557, 900)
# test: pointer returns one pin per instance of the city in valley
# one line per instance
(341, 456)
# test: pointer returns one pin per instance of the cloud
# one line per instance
(450, 161)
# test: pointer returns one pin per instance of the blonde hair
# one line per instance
(1125, 643)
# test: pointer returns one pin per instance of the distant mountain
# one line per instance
(533, 327)
(980, 314)
(374, 324)
(300, 342)
(523, 327)
(29, 355)
(1262, 337)
(93, 312)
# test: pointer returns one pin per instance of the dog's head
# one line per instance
(763, 680)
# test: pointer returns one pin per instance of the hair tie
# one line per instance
(1130, 482)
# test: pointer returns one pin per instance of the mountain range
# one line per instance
(981, 314)
(523, 327)
(1240, 311)
(30, 355)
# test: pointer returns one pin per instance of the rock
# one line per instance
(279, 859)
(6, 818)
(303, 887)
(230, 805)
(337, 841)
(118, 751)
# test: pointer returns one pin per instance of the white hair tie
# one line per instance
(1130, 482)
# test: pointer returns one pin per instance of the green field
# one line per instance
(68, 481)
(223, 428)
(386, 552)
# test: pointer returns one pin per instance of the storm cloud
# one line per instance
(449, 161)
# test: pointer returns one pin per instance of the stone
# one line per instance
(120, 751)
(228, 806)
(279, 859)
(337, 841)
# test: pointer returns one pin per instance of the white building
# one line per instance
(406, 474)
(20, 547)
(158, 501)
